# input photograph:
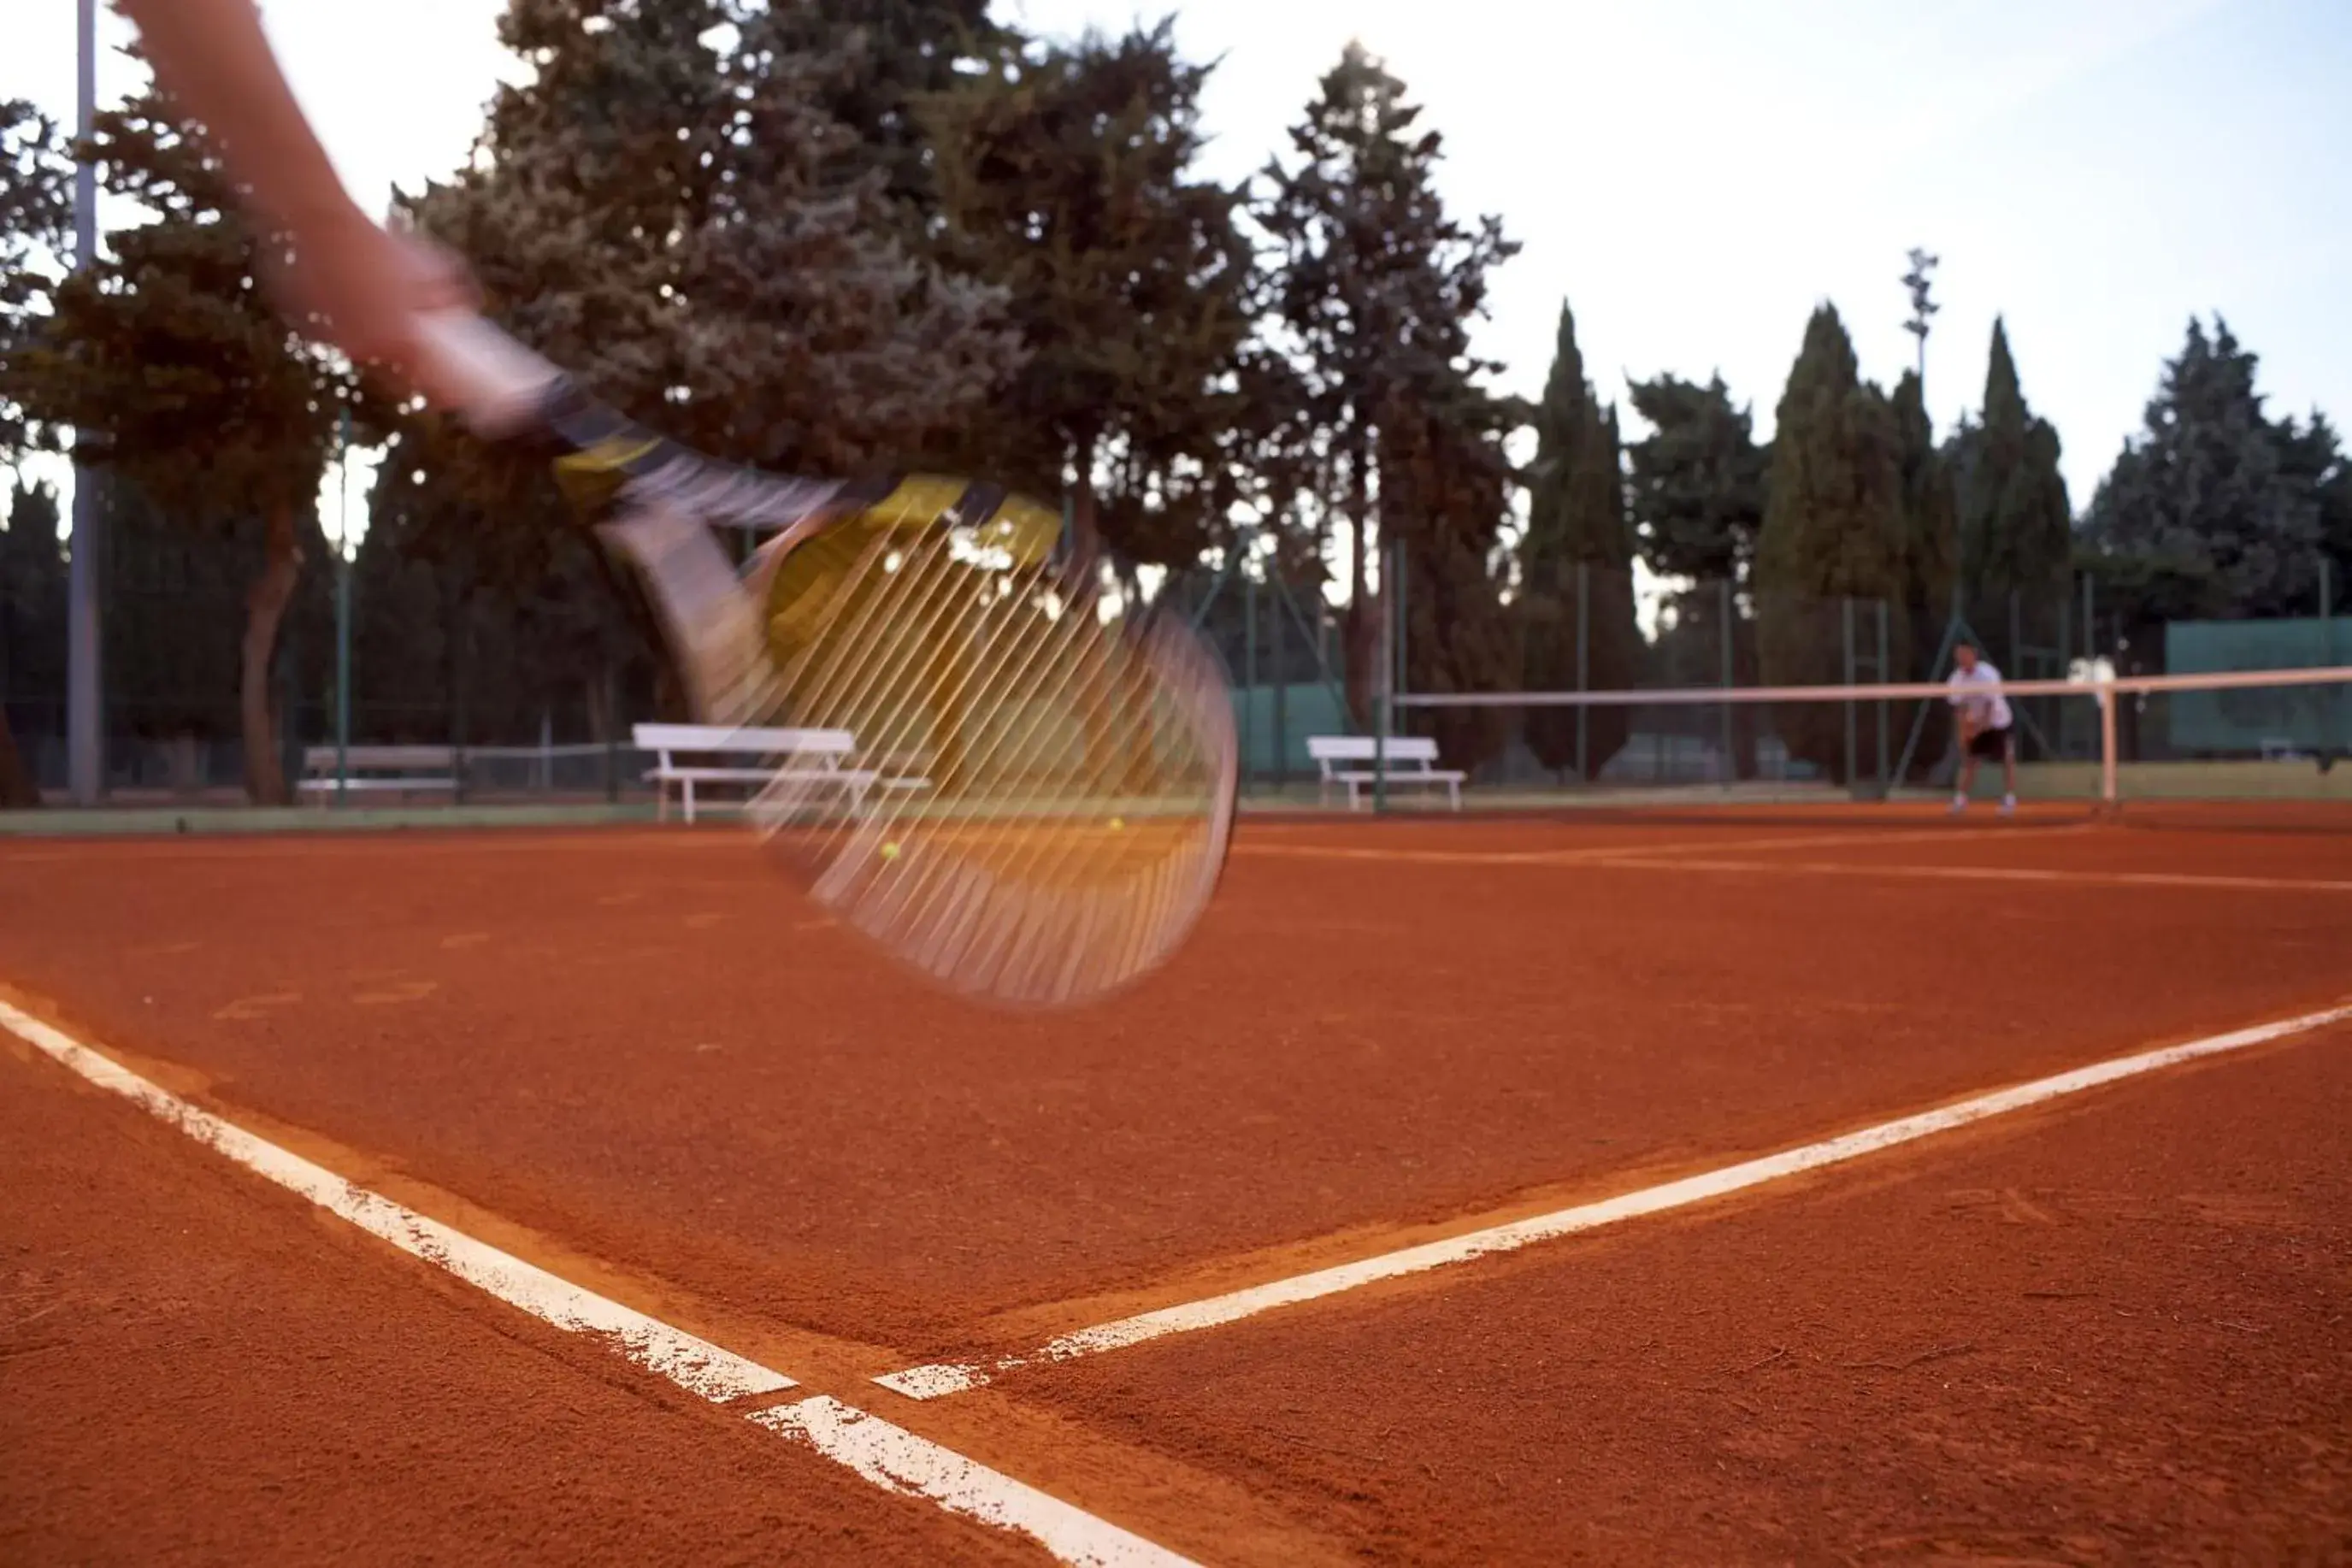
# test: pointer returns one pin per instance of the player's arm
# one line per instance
(367, 286)
(1963, 713)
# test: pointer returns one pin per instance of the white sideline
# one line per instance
(888, 1456)
(936, 1382)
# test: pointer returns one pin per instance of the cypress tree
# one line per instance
(1698, 485)
(1834, 531)
(2016, 526)
(1444, 493)
(32, 624)
(1578, 531)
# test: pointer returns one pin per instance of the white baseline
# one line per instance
(938, 1381)
(889, 1457)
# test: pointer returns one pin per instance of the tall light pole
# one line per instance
(1923, 307)
(85, 739)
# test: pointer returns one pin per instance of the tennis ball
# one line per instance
(889, 851)
(1117, 823)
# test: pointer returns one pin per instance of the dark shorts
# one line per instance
(1992, 745)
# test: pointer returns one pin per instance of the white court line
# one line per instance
(938, 1381)
(1608, 853)
(2089, 877)
(889, 1457)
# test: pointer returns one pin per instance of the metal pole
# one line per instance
(343, 615)
(1730, 741)
(1403, 682)
(1281, 690)
(1249, 674)
(2107, 744)
(1845, 617)
(1583, 656)
(85, 739)
(2327, 650)
(1384, 714)
(1885, 676)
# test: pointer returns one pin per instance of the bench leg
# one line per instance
(1454, 788)
(689, 784)
(661, 800)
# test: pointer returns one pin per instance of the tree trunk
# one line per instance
(265, 610)
(18, 790)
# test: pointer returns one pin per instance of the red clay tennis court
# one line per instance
(1574, 1188)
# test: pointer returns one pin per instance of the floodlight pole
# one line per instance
(84, 742)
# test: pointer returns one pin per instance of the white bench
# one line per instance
(756, 758)
(402, 769)
(1411, 759)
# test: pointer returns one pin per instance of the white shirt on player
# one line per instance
(1987, 710)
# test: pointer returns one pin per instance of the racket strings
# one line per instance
(1017, 872)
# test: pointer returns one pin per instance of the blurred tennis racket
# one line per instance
(1020, 796)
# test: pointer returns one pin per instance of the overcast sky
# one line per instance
(1693, 175)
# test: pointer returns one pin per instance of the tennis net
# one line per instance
(2273, 745)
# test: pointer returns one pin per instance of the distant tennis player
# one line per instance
(1986, 731)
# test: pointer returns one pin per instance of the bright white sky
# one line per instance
(1694, 175)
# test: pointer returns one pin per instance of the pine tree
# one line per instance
(1576, 568)
(661, 216)
(1071, 185)
(2214, 510)
(1698, 480)
(1833, 529)
(183, 379)
(886, 59)
(1374, 288)
(667, 208)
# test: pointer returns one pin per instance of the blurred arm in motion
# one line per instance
(364, 285)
